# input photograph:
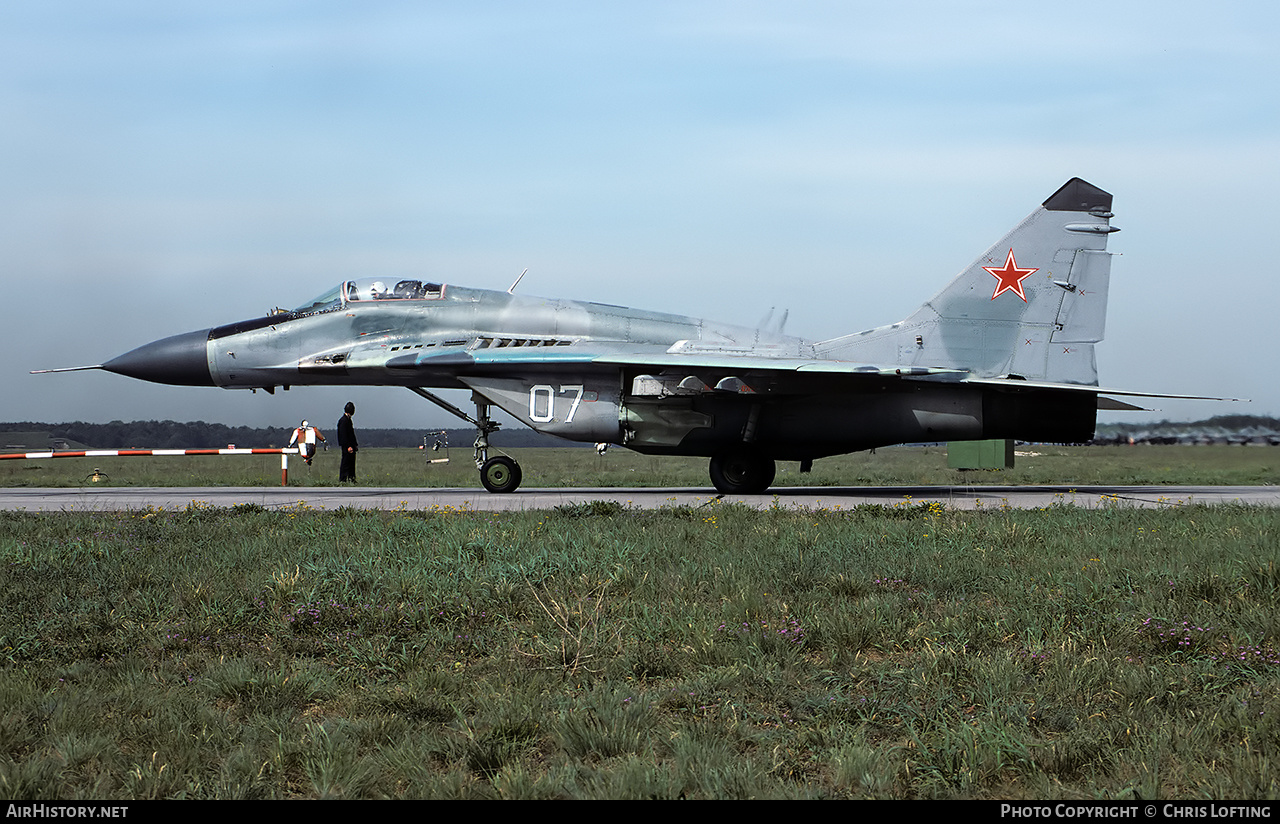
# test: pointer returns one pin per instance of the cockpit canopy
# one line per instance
(366, 289)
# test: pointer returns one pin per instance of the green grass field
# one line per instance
(1083, 465)
(597, 652)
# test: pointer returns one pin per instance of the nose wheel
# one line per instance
(500, 474)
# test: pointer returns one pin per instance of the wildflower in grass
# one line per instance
(1191, 637)
(788, 630)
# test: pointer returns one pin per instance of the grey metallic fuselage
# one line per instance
(554, 365)
(395, 342)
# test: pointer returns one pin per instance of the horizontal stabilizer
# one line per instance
(1095, 390)
(1113, 405)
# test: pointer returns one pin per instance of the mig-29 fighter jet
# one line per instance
(1005, 350)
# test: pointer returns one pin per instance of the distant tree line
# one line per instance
(202, 435)
(1228, 422)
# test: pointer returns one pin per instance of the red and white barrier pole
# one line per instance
(138, 453)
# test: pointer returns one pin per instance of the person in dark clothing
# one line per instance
(347, 444)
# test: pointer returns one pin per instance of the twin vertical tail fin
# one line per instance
(1032, 306)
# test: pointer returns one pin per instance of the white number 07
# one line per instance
(542, 401)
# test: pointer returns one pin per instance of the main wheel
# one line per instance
(742, 473)
(500, 474)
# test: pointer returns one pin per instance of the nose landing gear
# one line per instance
(499, 474)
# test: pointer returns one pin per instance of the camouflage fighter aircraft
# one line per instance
(1005, 350)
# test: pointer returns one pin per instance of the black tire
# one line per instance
(742, 473)
(501, 474)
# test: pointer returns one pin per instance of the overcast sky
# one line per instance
(166, 167)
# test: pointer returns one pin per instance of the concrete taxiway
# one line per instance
(123, 499)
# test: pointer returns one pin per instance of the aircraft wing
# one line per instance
(489, 360)
(756, 363)
(738, 365)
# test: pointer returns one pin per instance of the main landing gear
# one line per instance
(499, 474)
(742, 472)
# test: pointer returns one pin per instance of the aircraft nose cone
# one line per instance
(181, 360)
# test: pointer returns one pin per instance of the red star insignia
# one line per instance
(1009, 278)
